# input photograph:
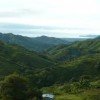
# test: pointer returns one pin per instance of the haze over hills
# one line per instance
(36, 44)
(47, 30)
(39, 44)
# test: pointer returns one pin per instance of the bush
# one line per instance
(13, 87)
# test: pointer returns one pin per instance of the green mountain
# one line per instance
(43, 70)
(14, 58)
(74, 50)
(36, 44)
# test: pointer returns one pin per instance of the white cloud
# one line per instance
(64, 13)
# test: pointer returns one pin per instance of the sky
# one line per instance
(58, 18)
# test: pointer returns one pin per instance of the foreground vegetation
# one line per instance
(83, 96)
(16, 87)
(75, 91)
(70, 73)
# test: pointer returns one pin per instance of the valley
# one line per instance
(70, 71)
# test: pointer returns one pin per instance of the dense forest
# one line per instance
(36, 43)
(61, 68)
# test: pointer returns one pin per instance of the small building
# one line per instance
(48, 97)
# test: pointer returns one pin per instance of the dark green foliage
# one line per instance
(42, 71)
(96, 84)
(16, 87)
(67, 88)
(13, 87)
(14, 58)
(72, 51)
(36, 44)
(34, 94)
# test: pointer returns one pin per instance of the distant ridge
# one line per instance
(98, 37)
(37, 44)
(74, 50)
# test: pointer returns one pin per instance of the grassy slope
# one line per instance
(40, 69)
(87, 95)
(68, 97)
(16, 58)
(77, 49)
(61, 94)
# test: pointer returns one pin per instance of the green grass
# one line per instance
(68, 97)
(87, 95)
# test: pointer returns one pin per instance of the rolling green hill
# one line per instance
(16, 58)
(74, 50)
(35, 44)
(72, 71)
(84, 59)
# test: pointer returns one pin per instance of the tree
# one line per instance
(34, 94)
(13, 87)
(85, 81)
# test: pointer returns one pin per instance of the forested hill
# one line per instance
(44, 71)
(35, 44)
(74, 50)
(15, 58)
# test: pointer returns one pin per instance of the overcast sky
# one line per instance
(75, 17)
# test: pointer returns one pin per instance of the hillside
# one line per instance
(72, 71)
(44, 71)
(36, 44)
(15, 58)
(74, 50)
